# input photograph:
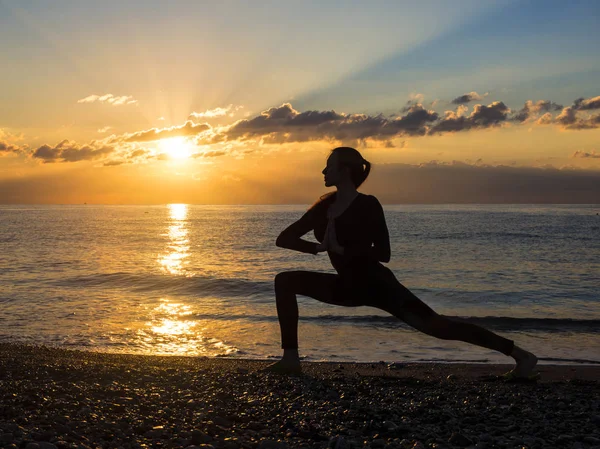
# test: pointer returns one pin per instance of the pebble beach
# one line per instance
(57, 398)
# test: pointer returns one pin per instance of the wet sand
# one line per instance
(72, 399)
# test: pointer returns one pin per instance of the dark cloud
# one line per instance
(67, 151)
(285, 124)
(481, 117)
(186, 130)
(580, 123)
(430, 183)
(587, 104)
(567, 116)
(532, 109)
(585, 154)
(6, 147)
(459, 182)
(467, 98)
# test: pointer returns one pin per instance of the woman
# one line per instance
(351, 227)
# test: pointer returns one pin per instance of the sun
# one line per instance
(176, 147)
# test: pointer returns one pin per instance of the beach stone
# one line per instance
(485, 437)
(459, 439)
(591, 440)
(46, 445)
(154, 433)
(32, 446)
(43, 436)
(379, 442)
(199, 437)
(223, 422)
(389, 425)
(564, 438)
(596, 419)
(338, 442)
(7, 438)
(418, 445)
(271, 444)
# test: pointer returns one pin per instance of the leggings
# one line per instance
(382, 291)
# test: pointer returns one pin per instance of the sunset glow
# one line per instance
(176, 147)
(205, 103)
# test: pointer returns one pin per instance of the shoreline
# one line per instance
(429, 370)
(67, 399)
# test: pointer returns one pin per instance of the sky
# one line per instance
(230, 102)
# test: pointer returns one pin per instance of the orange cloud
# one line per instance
(188, 129)
(108, 98)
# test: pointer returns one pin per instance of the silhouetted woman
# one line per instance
(351, 227)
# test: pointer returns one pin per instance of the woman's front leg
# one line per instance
(288, 284)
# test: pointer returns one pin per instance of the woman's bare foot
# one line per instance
(526, 361)
(289, 363)
(285, 366)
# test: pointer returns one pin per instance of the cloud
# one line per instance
(109, 98)
(137, 153)
(217, 112)
(459, 182)
(585, 154)
(113, 163)
(481, 117)
(105, 129)
(285, 124)
(67, 151)
(185, 130)
(567, 116)
(533, 109)
(583, 104)
(580, 123)
(213, 153)
(8, 148)
(467, 98)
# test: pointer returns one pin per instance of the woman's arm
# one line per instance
(290, 236)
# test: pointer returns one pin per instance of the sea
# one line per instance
(197, 280)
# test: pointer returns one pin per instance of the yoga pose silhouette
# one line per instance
(351, 227)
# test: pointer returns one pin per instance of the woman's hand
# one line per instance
(324, 245)
(334, 246)
(330, 242)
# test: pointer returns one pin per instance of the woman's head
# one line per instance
(346, 164)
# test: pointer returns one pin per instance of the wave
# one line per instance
(493, 322)
(173, 285)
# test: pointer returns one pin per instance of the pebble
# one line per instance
(46, 445)
(270, 444)
(459, 439)
(395, 365)
(199, 437)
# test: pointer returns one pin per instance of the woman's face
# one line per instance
(333, 174)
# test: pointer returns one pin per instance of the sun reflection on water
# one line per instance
(175, 260)
(174, 331)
